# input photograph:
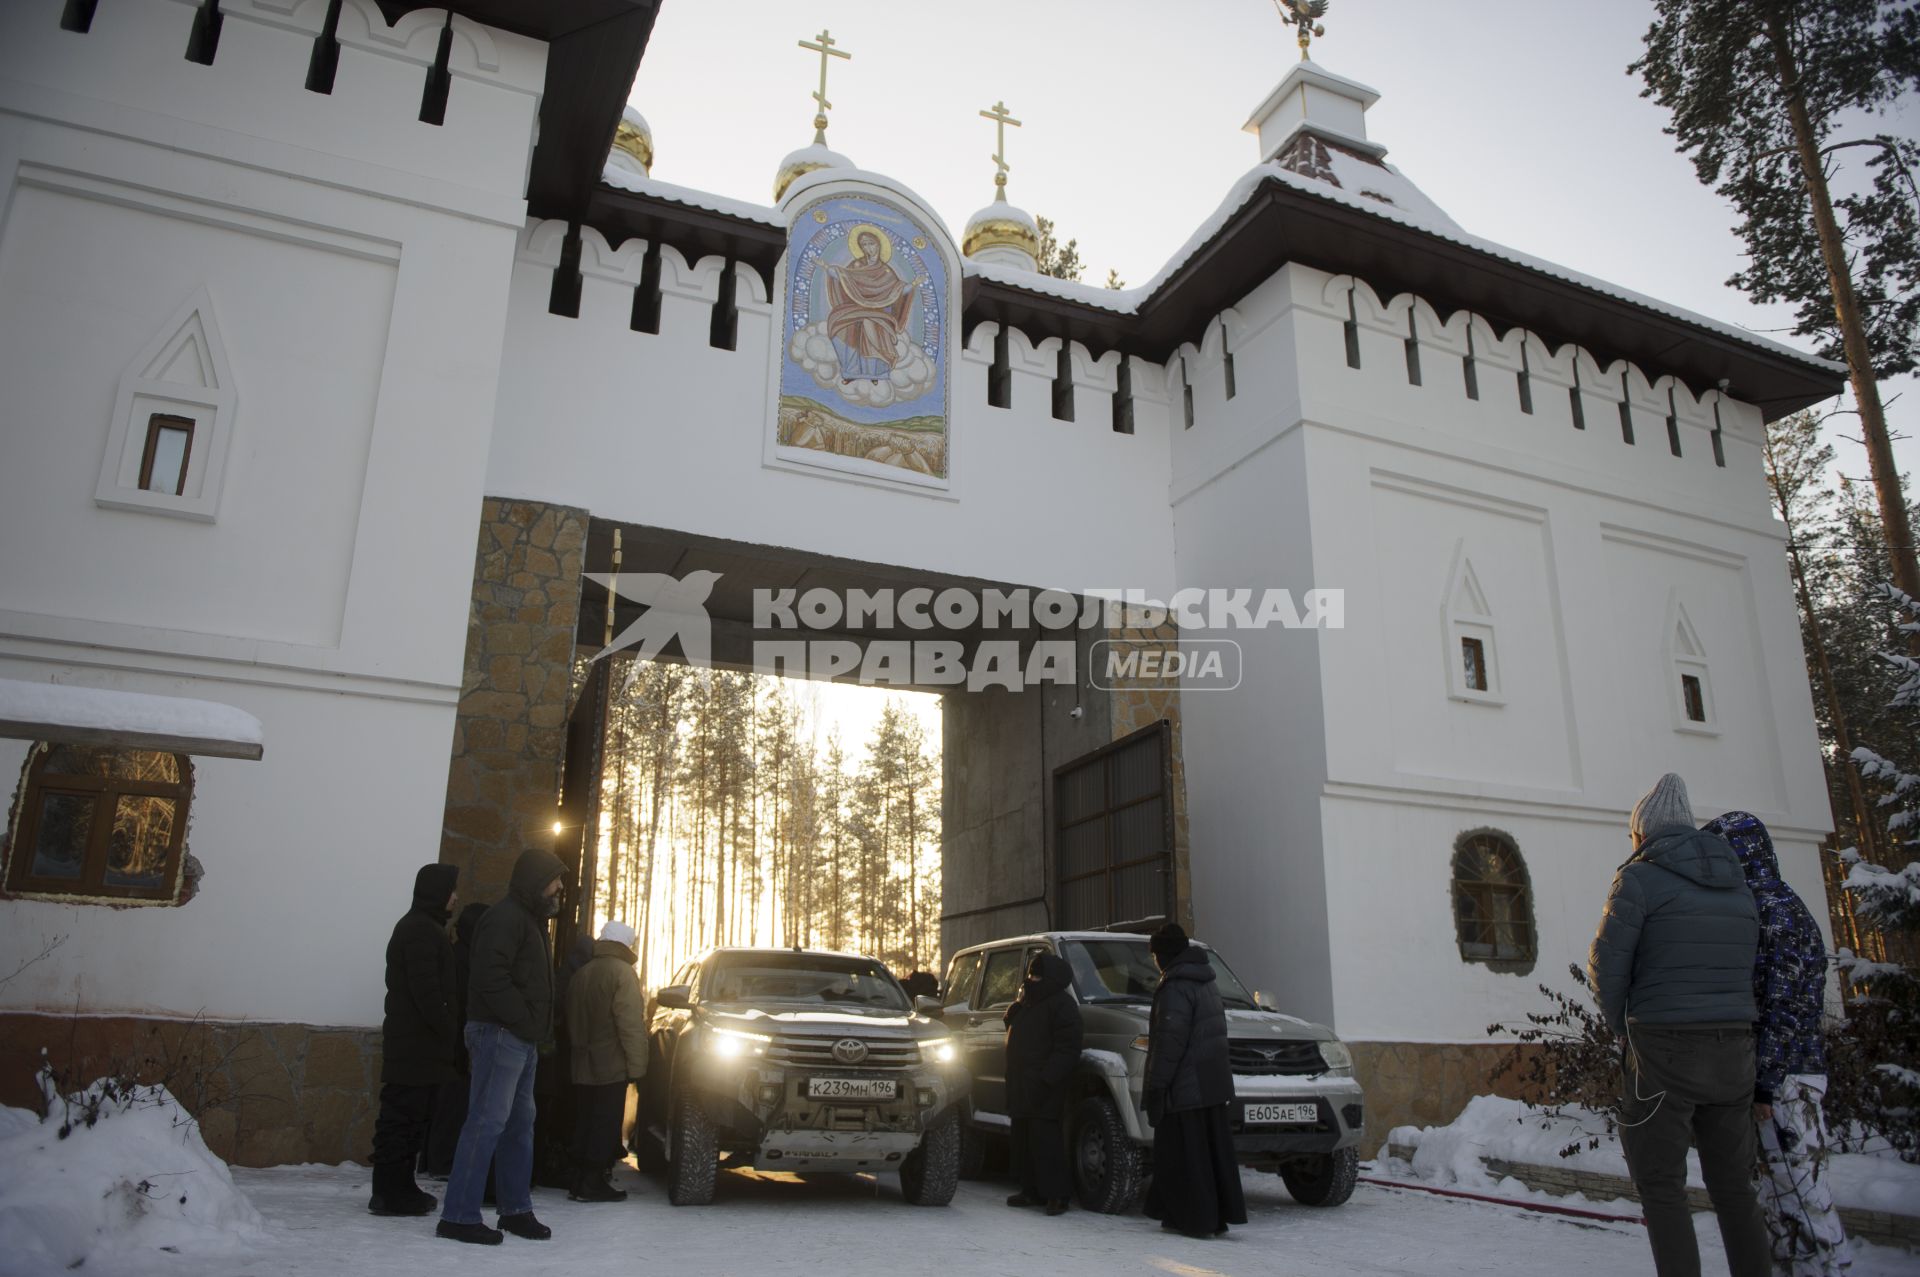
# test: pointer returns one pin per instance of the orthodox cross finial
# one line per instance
(825, 49)
(1303, 15)
(1000, 120)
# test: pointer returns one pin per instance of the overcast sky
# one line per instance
(1516, 116)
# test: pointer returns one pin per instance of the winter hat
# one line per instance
(433, 885)
(1168, 942)
(1664, 806)
(618, 932)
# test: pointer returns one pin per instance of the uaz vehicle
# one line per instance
(793, 1060)
(1297, 1109)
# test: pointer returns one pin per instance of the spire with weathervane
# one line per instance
(817, 155)
(1001, 233)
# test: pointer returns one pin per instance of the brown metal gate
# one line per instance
(1113, 833)
(577, 842)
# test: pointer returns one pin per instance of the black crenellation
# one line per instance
(645, 317)
(1063, 385)
(204, 40)
(1000, 372)
(1123, 398)
(433, 99)
(324, 62)
(78, 15)
(724, 332)
(564, 297)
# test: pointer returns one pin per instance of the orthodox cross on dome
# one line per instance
(825, 48)
(1000, 120)
(1303, 15)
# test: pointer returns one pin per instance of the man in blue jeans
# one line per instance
(509, 1020)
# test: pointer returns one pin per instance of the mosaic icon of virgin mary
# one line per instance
(868, 303)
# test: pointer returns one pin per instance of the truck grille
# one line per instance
(815, 1051)
(1256, 1058)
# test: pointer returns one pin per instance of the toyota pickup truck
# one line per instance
(797, 1060)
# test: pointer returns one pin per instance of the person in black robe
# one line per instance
(1189, 1085)
(1043, 1045)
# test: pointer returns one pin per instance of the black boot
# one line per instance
(394, 1192)
(593, 1186)
(523, 1224)
(478, 1234)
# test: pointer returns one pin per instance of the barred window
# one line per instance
(1492, 900)
(100, 823)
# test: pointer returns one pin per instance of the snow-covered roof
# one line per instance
(71, 715)
(621, 179)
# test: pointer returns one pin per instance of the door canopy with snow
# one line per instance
(869, 316)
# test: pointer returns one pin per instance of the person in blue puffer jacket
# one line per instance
(1790, 1062)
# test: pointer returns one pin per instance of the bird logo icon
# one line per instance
(675, 608)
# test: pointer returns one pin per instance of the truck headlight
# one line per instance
(733, 1044)
(938, 1051)
(1336, 1056)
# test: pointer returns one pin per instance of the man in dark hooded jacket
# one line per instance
(1043, 1046)
(509, 1017)
(1790, 1063)
(1189, 1085)
(419, 1049)
(1672, 967)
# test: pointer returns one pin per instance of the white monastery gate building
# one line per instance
(342, 342)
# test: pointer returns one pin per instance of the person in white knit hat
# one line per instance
(1672, 967)
(607, 1022)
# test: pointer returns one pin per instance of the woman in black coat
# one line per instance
(419, 1046)
(1189, 1084)
(1043, 1045)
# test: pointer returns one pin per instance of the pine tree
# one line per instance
(1055, 259)
(1875, 1059)
(1759, 91)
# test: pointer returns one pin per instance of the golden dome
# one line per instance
(634, 138)
(806, 160)
(1001, 225)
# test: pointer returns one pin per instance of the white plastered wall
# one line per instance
(358, 262)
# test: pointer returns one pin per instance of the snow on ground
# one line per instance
(837, 1224)
(136, 1184)
(1509, 1130)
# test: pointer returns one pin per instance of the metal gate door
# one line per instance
(1113, 833)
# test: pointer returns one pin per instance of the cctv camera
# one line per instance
(1075, 712)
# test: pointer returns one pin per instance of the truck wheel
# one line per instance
(1324, 1181)
(931, 1172)
(694, 1167)
(1106, 1168)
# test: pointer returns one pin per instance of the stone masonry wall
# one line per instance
(1426, 1083)
(509, 739)
(265, 1094)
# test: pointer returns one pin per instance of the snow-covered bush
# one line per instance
(116, 1167)
(1567, 1065)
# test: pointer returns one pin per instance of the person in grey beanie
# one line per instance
(1672, 967)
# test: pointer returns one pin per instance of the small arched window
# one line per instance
(100, 823)
(1492, 901)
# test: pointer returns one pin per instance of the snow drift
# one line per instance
(137, 1179)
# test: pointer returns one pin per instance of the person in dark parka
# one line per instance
(509, 1017)
(1043, 1045)
(1672, 968)
(1189, 1085)
(450, 1108)
(419, 1050)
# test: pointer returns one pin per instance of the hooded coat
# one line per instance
(1187, 1064)
(511, 983)
(1043, 1040)
(1790, 970)
(607, 1017)
(1677, 942)
(420, 1037)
